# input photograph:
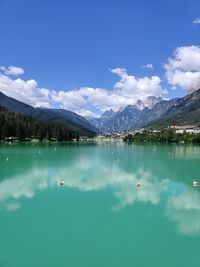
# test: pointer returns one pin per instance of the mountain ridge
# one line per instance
(67, 117)
(159, 113)
(129, 117)
(186, 111)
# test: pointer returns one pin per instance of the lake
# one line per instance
(101, 217)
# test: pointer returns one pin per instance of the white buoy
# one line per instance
(117, 160)
(7, 159)
(138, 184)
(61, 183)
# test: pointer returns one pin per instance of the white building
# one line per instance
(187, 129)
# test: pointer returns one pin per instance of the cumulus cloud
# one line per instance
(125, 92)
(196, 21)
(84, 100)
(12, 70)
(148, 66)
(183, 69)
(138, 88)
(25, 91)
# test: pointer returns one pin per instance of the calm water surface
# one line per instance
(100, 218)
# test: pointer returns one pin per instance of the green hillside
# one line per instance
(70, 119)
(186, 111)
(22, 127)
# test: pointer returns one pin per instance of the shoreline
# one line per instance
(97, 141)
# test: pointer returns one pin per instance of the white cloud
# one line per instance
(183, 69)
(196, 21)
(85, 99)
(188, 80)
(137, 88)
(12, 70)
(148, 66)
(25, 91)
(125, 92)
(86, 113)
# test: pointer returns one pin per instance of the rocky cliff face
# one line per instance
(99, 122)
(184, 111)
(154, 112)
(131, 116)
(151, 101)
(108, 114)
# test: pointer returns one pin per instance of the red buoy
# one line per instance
(195, 183)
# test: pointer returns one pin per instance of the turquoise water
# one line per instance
(100, 217)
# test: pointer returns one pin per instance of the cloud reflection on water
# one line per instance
(24, 185)
(124, 185)
(182, 207)
(184, 210)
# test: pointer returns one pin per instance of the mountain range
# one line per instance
(71, 119)
(185, 111)
(155, 112)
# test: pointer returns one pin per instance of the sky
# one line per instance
(92, 55)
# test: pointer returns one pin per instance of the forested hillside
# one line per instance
(22, 126)
(185, 111)
(66, 117)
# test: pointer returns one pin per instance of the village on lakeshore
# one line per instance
(177, 128)
(120, 136)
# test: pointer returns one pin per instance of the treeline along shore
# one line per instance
(163, 136)
(22, 127)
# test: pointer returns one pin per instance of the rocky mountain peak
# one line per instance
(108, 114)
(140, 105)
(151, 101)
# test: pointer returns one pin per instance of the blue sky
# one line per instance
(73, 44)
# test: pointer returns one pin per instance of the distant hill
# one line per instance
(71, 119)
(184, 111)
